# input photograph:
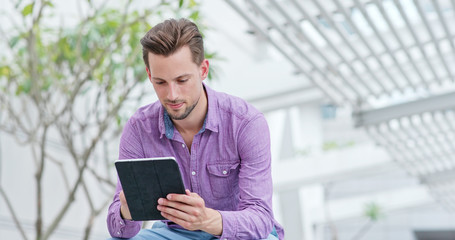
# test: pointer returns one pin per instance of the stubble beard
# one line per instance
(185, 114)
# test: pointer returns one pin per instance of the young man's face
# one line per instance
(177, 81)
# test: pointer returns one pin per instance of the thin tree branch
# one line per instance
(88, 196)
(101, 179)
(62, 170)
(8, 203)
(25, 112)
(16, 119)
(92, 217)
(37, 19)
(85, 157)
(39, 190)
(71, 197)
(13, 214)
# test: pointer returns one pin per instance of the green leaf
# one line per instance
(5, 71)
(49, 3)
(24, 87)
(119, 120)
(192, 3)
(27, 9)
(194, 15)
(180, 3)
(373, 211)
(13, 41)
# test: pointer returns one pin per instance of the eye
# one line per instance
(159, 82)
(182, 80)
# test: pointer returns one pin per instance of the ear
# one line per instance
(204, 69)
(148, 73)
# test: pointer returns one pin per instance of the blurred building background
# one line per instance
(359, 96)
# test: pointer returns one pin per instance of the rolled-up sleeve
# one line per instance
(253, 218)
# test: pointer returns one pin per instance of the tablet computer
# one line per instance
(146, 180)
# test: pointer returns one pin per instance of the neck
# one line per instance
(193, 122)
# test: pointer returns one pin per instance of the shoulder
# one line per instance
(236, 107)
(146, 114)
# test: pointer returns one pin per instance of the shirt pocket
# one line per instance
(224, 178)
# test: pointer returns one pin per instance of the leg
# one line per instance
(160, 231)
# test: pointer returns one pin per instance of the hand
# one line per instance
(189, 211)
(124, 210)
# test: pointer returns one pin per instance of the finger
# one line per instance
(189, 193)
(178, 221)
(192, 199)
(122, 197)
(176, 205)
(174, 213)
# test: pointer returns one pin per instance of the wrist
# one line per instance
(123, 214)
(214, 224)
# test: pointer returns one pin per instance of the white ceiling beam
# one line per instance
(335, 49)
(411, 28)
(350, 45)
(359, 33)
(300, 33)
(429, 104)
(381, 39)
(444, 24)
(433, 37)
(297, 49)
(264, 34)
(287, 99)
(402, 46)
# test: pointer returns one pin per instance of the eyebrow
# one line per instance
(180, 76)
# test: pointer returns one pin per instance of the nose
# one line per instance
(172, 94)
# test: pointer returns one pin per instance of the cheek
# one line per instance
(195, 90)
(160, 92)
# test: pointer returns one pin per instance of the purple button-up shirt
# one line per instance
(228, 166)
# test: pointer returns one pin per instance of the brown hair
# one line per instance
(169, 36)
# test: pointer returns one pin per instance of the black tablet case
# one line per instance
(144, 181)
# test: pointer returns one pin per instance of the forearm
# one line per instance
(251, 223)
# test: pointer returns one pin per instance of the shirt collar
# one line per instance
(211, 122)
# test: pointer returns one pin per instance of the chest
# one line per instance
(188, 139)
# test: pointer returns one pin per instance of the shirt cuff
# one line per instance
(125, 228)
(230, 225)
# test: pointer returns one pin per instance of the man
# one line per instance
(221, 143)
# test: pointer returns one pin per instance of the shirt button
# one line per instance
(224, 172)
(183, 145)
(118, 233)
(193, 173)
(121, 223)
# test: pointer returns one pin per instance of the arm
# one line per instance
(253, 218)
(130, 147)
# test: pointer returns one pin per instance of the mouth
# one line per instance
(175, 106)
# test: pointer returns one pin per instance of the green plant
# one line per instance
(373, 212)
(333, 145)
(75, 85)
